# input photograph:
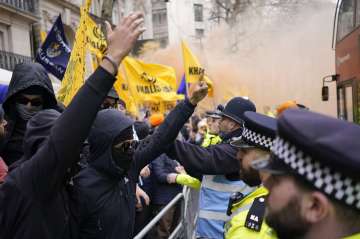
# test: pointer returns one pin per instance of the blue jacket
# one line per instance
(163, 192)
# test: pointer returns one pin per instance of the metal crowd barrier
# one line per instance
(180, 230)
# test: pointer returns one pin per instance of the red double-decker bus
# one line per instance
(346, 39)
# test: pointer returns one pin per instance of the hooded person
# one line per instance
(35, 200)
(36, 189)
(111, 100)
(30, 91)
(105, 191)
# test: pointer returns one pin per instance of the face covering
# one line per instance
(26, 112)
(123, 153)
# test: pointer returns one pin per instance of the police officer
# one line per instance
(212, 135)
(314, 184)
(218, 166)
(247, 211)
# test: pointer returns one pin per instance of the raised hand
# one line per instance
(122, 38)
(198, 91)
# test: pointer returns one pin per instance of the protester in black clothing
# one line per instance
(30, 91)
(163, 192)
(220, 158)
(34, 200)
(111, 100)
(105, 191)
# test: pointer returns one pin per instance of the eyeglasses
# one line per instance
(127, 145)
(34, 102)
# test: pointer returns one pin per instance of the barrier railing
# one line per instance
(179, 230)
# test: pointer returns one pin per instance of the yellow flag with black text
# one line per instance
(95, 38)
(122, 88)
(193, 68)
(88, 37)
(75, 72)
(150, 82)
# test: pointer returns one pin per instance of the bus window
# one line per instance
(346, 18)
(341, 104)
(357, 13)
(349, 103)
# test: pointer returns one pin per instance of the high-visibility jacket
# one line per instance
(214, 196)
(355, 236)
(213, 203)
(247, 218)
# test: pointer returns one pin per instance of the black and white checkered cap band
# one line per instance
(257, 138)
(324, 178)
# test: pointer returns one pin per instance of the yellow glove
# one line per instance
(187, 180)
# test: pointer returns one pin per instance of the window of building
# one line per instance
(198, 12)
(199, 33)
(349, 103)
(159, 18)
(2, 41)
(357, 13)
(117, 13)
(346, 18)
(4, 38)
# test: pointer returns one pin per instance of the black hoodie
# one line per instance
(104, 194)
(34, 199)
(25, 75)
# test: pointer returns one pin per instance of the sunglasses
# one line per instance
(127, 145)
(107, 105)
(34, 102)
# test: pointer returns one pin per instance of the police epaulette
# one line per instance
(255, 216)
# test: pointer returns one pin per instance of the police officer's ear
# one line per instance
(316, 207)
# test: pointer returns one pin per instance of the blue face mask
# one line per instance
(26, 112)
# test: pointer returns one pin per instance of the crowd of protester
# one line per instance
(92, 171)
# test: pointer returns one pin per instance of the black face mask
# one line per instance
(123, 153)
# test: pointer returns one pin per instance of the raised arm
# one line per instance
(217, 159)
(153, 146)
(44, 173)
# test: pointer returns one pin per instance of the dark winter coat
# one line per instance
(24, 76)
(34, 199)
(162, 191)
(105, 196)
(217, 159)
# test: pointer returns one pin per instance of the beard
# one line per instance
(288, 222)
(250, 176)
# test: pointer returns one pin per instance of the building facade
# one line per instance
(23, 23)
(17, 18)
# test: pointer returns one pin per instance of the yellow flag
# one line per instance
(150, 82)
(122, 88)
(88, 36)
(95, 37)
(193, 68)
(87, 5)
(43, 35)
(75, 71)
